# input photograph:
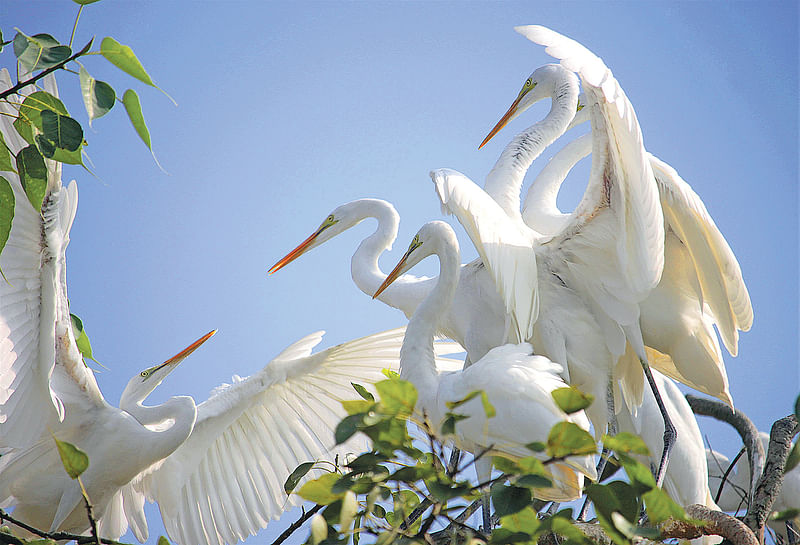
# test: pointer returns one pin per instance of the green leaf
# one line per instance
(75, 461)
(638, 473)
(39, 51)
(131, 101)
(536, 446)
(501, 536)
(86, 3)
(6, 211)
(627, 443)
(366, 462)
(62, 130)
(81, 338)
(45, 146)
(33, 175)
(124, 58)
(571, 399)
(357, 406)
(5, 154)
(525, 520)
(567, 439)
(509, 499)
(347, 427)
(488, 408)
(797, 408)
(449, 424)
(398, 396)
(299, 472)
(320, 490)
(363, 392)
(161, 539)
(534, 481)
(29, 123)
(98, 96)
(660, 506)
(791, 461)
(788, 514)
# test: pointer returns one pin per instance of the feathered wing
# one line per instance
(718, 271)
(505, 249)
(621, 177)
(226, 481)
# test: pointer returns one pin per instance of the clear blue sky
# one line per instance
(288, 110)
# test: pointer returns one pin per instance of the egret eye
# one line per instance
(144, 374)
(330, 219)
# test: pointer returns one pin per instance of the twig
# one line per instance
(92, 521)
(21, 84)
(769, 483)
(743, 425)
(727, 473)
(297, 524)
(56, 536)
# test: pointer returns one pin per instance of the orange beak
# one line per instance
(183, 354)
(503, 121)
(396, 272)
(294, 254)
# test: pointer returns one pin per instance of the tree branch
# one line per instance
(769, 483)
(742, 424)
(717, 523)
(56, 536)
(43, 73)
(297, 524)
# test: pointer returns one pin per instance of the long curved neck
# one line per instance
(417, 361)
(180, 410)
(405, 293)
(540, 211)
(504, 182)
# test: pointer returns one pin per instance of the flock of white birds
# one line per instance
(637, 276)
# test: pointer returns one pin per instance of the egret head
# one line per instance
(141, 385)
(429, 240)
(582, 113)
(541, 84)
(341, 219)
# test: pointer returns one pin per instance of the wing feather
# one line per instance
(506, 251)
(226, 480)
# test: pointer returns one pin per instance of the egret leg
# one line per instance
(670, 433)
(483, 468)
(612, 430)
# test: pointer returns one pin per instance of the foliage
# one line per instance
(44, 122)
(404, 491)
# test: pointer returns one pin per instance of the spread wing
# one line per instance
(226, 481)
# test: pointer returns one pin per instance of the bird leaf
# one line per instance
(6, 211)
(627, 443)
(299, 472)
(39, 51)
(568, 439)
(398, 396)
(75, 461)
(526, 520)
(660, 506)
(363, 392)
(62, 130)
(131, 102)
(509, 499)
(571, 400)
(81, 338)
(787, 514)
(33, 175)
(29, 123)
(98, 96)
(639, 474)
(320, 490)
(125, 59)
(5, 155)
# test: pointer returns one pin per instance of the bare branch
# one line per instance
(297, 524)
(56, 536)
(716, 524)
(742, 424)
(769, 483)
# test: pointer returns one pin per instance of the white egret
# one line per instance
(476, 319)
(575, 295)
(518, 384)
(701, 284)
(216, 469)
(686, 479)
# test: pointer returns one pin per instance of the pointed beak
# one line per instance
(396, 272)
(302, 248)
(503, 121)
(183, 354)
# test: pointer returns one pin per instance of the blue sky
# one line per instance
(287, 110)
